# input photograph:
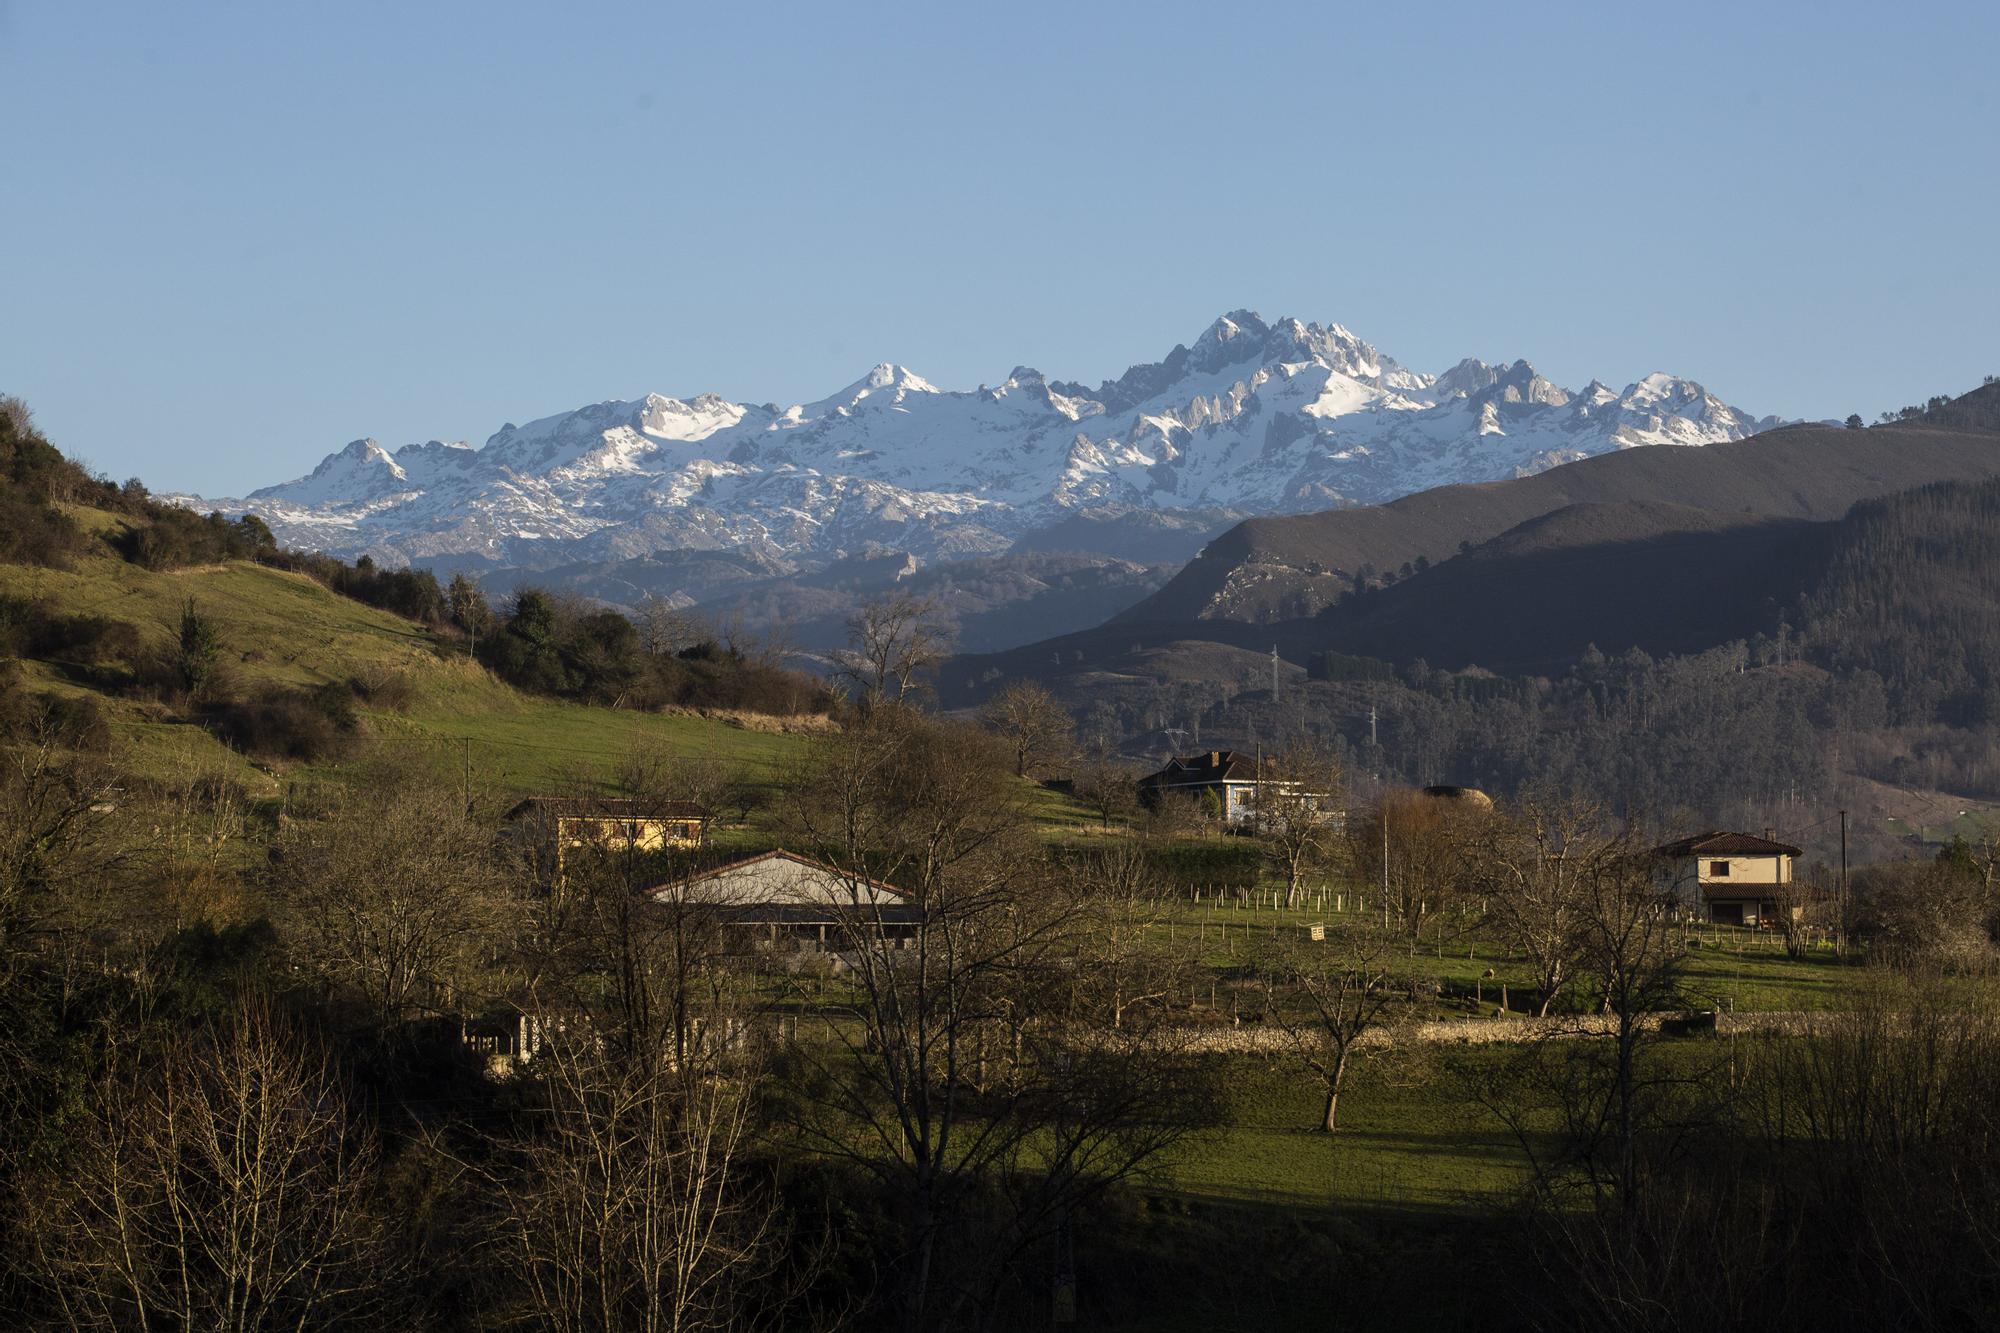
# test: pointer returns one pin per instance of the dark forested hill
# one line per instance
(1659, 654)
(1662, 578)
(1906, 585)
(1909, 592)
(1275, 568)
(1978, 410)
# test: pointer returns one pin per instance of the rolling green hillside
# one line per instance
(284, 629)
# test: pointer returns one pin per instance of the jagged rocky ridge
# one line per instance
(1253, 418)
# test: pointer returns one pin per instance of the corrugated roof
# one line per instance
(779, 878)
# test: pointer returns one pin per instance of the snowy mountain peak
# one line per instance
(1519, 383)
(889, 375)
(697, 418)
(1231, 327)
(1254, 416)
(364, 467)
(1466, 378)
(1662, 388)
(887, 381)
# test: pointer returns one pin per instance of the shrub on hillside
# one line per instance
(411, 593)
(282, 723)
(36, 629)
(168, 537)
(74, 721)
(552, 645)
(391, 691)
(708, 676)
(36, 534)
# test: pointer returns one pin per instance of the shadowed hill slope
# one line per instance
(1660, 577)
(1978, 410)
(1275, 568)
(1663, 578)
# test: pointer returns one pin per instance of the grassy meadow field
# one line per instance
(283, 629)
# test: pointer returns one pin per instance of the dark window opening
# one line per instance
(1718, 870)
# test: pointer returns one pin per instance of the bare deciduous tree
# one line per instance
(1298, 802)
(967, 1064)
(1601, 1079)
(222, 1185)
(52, 842)
(665, 629)
(470, 610)
(655, 774)
(630, 1201)
(61, 849)
(1327, 995)
(631, 1205)
(15, 409)
(1534, 868)
(1128, 956)
(1108, 789)
(893, 643)
(1637, 959)
(391, 894)
(1031, 723)
(1938, 913)
(1413, 850)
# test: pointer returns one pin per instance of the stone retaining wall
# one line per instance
(1260, 1039)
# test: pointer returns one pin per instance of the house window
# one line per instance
(1718, 870)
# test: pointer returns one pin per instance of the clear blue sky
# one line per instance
(238, 235)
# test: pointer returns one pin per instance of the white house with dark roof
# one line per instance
(1229, 777)
(1235, 780)
(1731, 878)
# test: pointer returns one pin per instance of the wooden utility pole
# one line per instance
(1385, 863)
(1840, 908)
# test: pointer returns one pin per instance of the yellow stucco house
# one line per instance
(1732, 879)
(614, 823)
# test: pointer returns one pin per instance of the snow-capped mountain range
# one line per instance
(1254, 417)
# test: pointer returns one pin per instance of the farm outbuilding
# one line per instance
(782, 899)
